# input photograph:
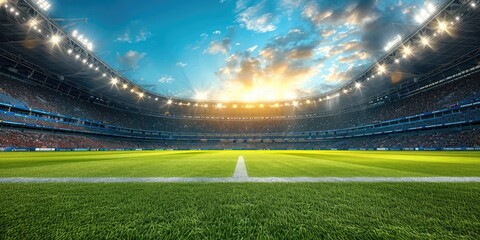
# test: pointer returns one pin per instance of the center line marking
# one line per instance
(240, 169)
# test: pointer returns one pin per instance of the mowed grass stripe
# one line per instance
(291, 166)
(118, 164)
(240, 211)
(361, 163)
(394, 165)
(258, 163)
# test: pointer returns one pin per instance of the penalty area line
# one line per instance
(248, 180)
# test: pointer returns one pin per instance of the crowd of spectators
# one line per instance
(43, 122)
(445, 139)
(438, 97)
(440, 139)
(37, 139)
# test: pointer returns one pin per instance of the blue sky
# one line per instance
(240, 49)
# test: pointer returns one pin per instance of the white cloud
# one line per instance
(124, 37)
(181, 64)
(241, 4)
(166, 79)
(291, 5)
(218, 32)
(257, 18)
(217, 47)
(134, 33)
(328, 32)
(142, 36)
(252, 49)
(130, 60)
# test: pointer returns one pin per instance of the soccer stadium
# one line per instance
(240, 119)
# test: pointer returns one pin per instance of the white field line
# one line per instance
(249, 180)
(240, 169)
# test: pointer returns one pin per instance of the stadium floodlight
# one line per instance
(114, 81)
(33, 23)
(104, 75)
(345, 91)
(156, 99)
(125, 86)
(425, 13)
(43, 4)
(358, 85)
(407, 51)
(395, 41)
(141, 95)
(473, 5)
(55, 40)
(69, 51)
(295, 103)
(77, 56)
(219, 105)
(442, 26)
(85, 42)
(425, 41)
(169, 102)
(91, 65)
(96, 69)
(381, 69)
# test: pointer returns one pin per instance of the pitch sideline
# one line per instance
(248, 180)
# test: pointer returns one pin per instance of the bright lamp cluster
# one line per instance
(83, 40)
(43, 4)
(425, 13)
(10, 9)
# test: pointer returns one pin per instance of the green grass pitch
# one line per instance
(240, 210)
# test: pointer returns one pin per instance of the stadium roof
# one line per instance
(243, 50)
(445, 35)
